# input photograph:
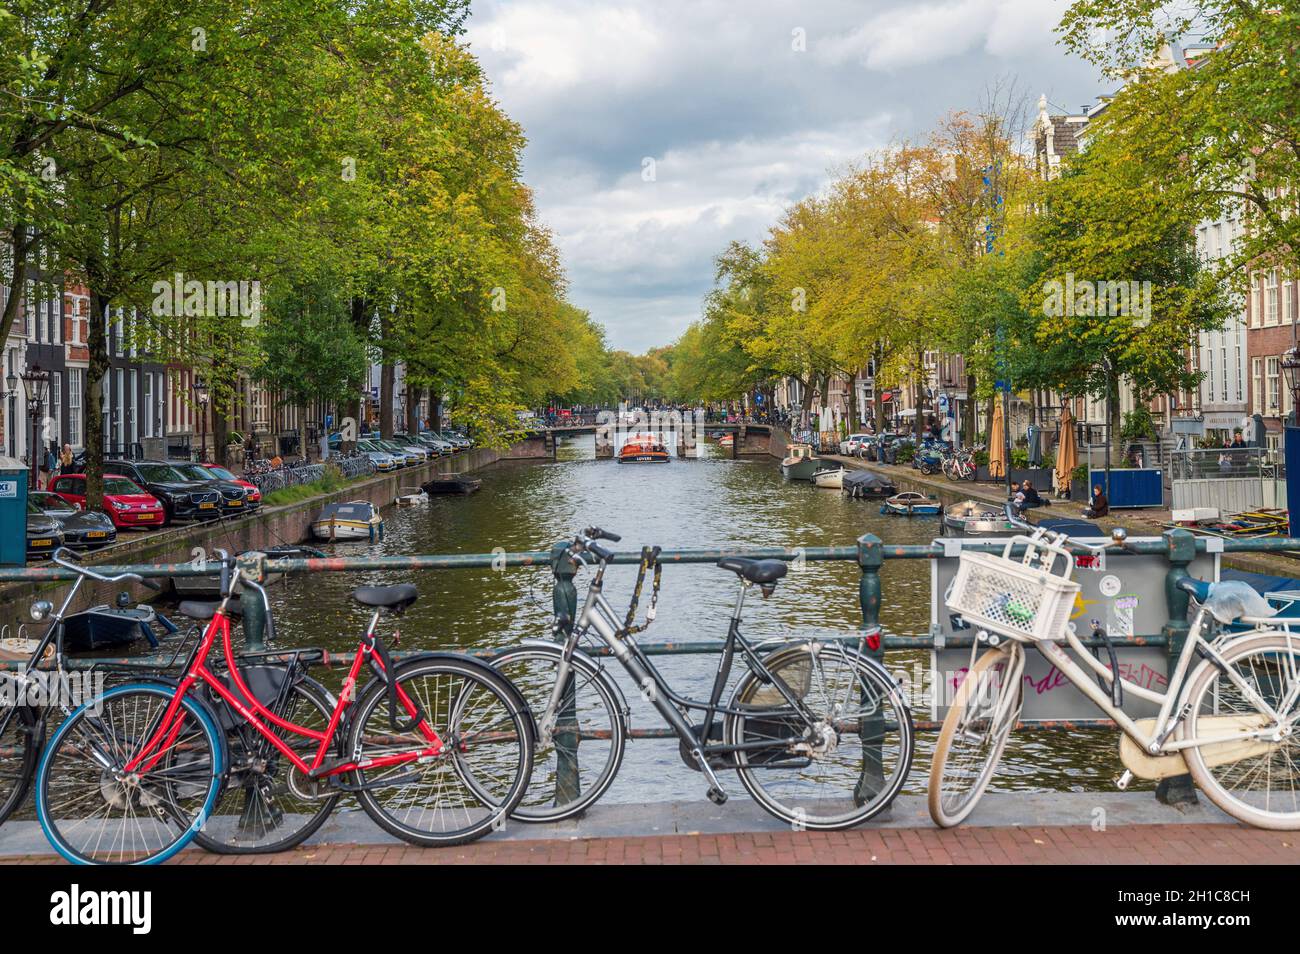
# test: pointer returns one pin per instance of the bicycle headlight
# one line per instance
(40, 609)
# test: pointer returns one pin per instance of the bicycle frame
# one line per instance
(597, 614)
(1171, 713)
(254, 712)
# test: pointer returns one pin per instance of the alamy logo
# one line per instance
(180, 298)
(1104, 299)
(77, 907)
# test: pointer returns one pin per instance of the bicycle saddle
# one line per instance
(396, 598)
(1228, 600)
(756, 571)
(202, 611)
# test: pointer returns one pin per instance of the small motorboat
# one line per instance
(451, 485)
(864, 483)
(831, 477)
(208, 586)
(726, 440)
(911, 504)
(354, 520)
(801, 462)
(110, 627)
(643, 449)
(972, 518)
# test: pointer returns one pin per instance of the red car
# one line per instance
(124, 502)
(220, 473)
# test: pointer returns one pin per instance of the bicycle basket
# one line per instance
(1013, 598)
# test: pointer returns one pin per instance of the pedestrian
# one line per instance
(1098, 505)
(66, 459)
(1027, 498)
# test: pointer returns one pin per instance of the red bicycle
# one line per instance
(437, 748)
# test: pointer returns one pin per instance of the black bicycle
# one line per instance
(818, 732)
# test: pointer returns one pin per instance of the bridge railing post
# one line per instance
(567, 737)
(871, 728)
(1180, 550)
(250, 602)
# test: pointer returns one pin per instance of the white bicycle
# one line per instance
(1231, 725)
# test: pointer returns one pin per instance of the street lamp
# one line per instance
(35, 383)
(1290, 362)
(201, 399)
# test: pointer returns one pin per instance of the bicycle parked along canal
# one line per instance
(436, 748)
(1230, 721)
(819, 733)
(36, 690)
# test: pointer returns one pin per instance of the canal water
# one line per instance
(711, 502)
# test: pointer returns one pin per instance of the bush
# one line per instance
(981, 458)
(1138, 425)
(1079, 473)
(1019, 458)
(905, 454)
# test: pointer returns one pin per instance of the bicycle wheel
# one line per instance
(22, 733)
(487, 738)
(974, 734)
(576, 766)
(93, 812)
(838, 768)
(266, 804)
(1254, 780)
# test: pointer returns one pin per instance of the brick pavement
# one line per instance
(1076, 845)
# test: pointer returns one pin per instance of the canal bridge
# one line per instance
(748, 439)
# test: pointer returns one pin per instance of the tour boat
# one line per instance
(832, 477)
(909, 503)
(801, 462)
(643, 449)
(354, 520)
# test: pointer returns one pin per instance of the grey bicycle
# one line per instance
(818, 732)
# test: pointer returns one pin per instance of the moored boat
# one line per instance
(643, 449)
(831, 477)
(800, 462)
(208, 586)
(107, 627)
(909, 503)
(864, 483)
(975, 519)
(451, 485)
(354, 520)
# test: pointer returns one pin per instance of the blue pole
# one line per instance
(1292, 458)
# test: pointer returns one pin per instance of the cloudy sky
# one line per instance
(742, 106)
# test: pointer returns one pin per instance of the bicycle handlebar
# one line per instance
(1118, 536)
(62, 555)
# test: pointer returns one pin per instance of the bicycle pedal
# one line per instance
(717, 796)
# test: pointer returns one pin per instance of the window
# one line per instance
(1289, 291)
(1270, 297)
(147, 404)
(56, 406)
(75, 377)
(1223, 378)
(1256, 386)
(1239, 369)
(1274, 385)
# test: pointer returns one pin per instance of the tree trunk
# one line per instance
(1116, 414)
(17, 282)
(968, 412)
(387, 377)
(303, 447)
(413, 397)
(435, 409)
(96, 372)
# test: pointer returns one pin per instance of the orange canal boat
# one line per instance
(643, 449)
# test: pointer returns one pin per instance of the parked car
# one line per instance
(849, 446)
(82, 529)
(44, 535)
(444, 446)
(410, 457)
(221, 473)
(384, 460)
(411, 446)
(181, 497)
(125, 503)
(454, 438)
(236, 495)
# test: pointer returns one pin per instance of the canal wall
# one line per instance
(267, 527)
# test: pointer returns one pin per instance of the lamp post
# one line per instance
(35, 382)
(1290, 362)
(201, 399)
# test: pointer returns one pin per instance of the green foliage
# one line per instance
(1138, 425)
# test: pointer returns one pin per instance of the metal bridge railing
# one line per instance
(1178, 547)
